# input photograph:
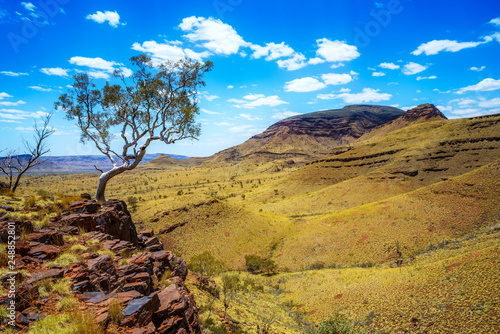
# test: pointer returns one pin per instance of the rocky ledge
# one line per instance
(115, 265)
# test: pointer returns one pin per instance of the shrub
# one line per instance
(64, 260)
(256, 264)
(29, 202)
(78, 249)
(67, 304)
(115, 311)
(338, 324)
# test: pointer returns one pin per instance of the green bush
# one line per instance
(338, 324)
(257, 264)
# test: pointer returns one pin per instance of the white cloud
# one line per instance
(16, 115)
(413, 68)
(252, 97)
(353, 73)
(99, 75)
(230, 87)
(111, 17)
(477, 69)
(468, 112)
(11, 104)
(285, 114)
(316, 61)
(29, 6)
(12, 74)
(436, 46)
(336, 79)
(294, 63)
(55, 71)
(389, 66)
(216, 36)
(97, 63)
(378, 74)
(41, 89)
(210, 112)
(336, 51)
(484, 86)
(367, 95)
(426, 78)
(243, 128)
(126, 71)
(271, 51)
(495, 21)
(3, 95)
(493, 103)
(161, 52)
(223, 124)
(251, 102)
(303, 85)
(250, 117)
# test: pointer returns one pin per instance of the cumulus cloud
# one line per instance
(336, 79)
(389, 66)
(271, 51)
(413, 68)
(214, 35)
(378, 74)
(367, 95)
(3, 95)
(111, 17)
(97, 63)
(302, 85)
(336, 51)
(291, 64)
(55, 71)
(16, 115)
(486, 85)
(11, 104)
(310, 84)
(253, 101)
(168, 51)
(495, 21)
(436, 46)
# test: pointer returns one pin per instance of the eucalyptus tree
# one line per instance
(158, 102)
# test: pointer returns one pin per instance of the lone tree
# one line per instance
(155, 103)
(14, 165)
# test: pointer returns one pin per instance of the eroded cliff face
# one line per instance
(313, 134)
(423, 112)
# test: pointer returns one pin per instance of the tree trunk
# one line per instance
(103, 181)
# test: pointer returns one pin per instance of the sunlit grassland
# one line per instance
(451, 290)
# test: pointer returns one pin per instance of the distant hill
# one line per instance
(69, 164)
(310, 135)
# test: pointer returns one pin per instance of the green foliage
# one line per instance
(67, 304)
(64, 260)
(132, 201)
(231, 285)
(338, 324)
(256, 264)
(205, 265)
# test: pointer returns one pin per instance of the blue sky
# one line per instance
(272, 59)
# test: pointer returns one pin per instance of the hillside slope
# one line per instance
(310, 135)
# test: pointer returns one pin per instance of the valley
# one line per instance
(390, 218)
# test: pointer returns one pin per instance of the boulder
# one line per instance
(177, 312)
(43, 252)
(115, 220)
(48, 237)
(87, 206)
(80, 220)
(140, 311)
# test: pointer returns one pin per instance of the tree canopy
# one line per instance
(158, 102)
